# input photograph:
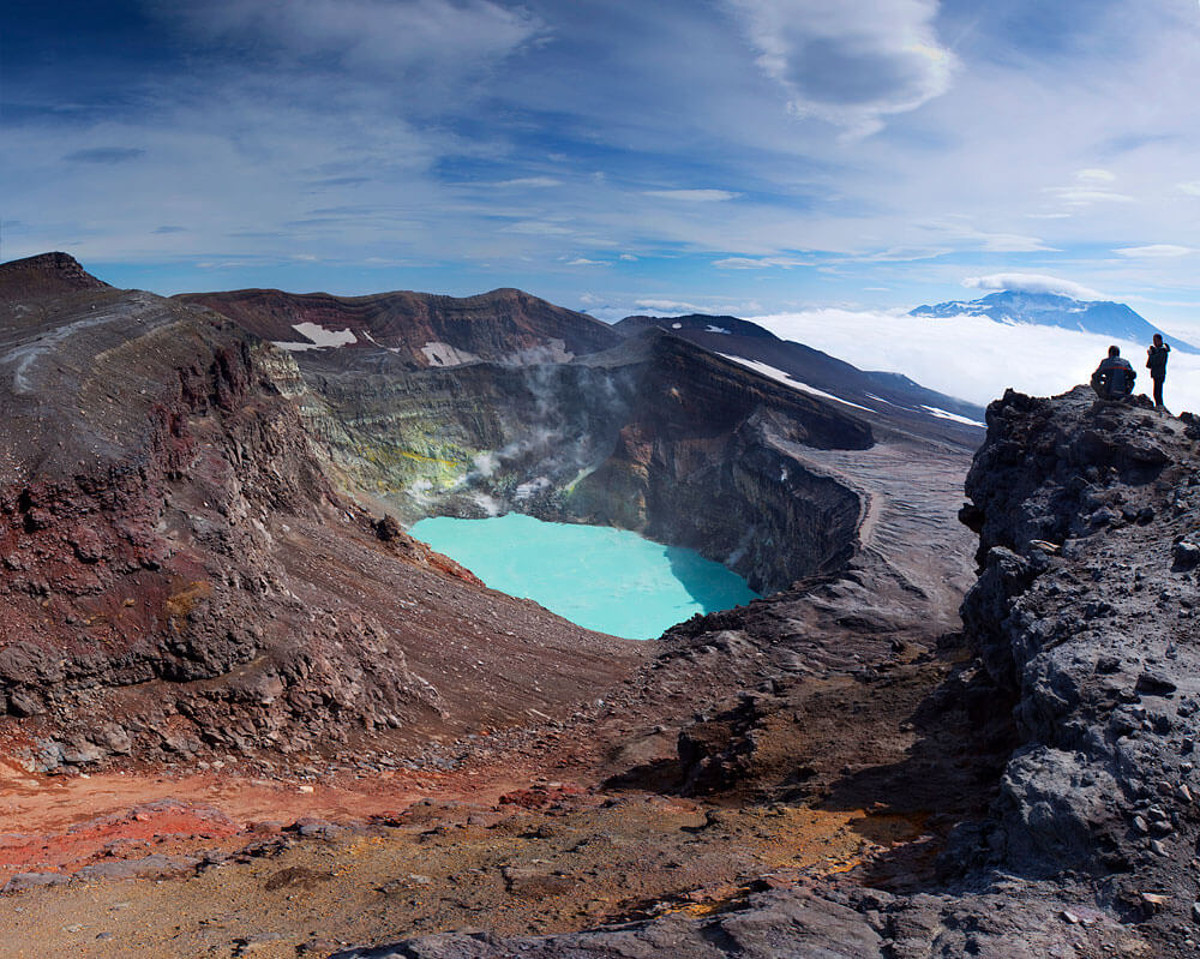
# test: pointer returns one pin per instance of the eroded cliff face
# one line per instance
(708, 459)
(421, 329)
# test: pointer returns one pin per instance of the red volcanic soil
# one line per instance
(520, 834)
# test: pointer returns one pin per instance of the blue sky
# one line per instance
(753, 157)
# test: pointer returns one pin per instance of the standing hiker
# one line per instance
(1156, 363)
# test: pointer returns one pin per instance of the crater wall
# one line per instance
(657, 436)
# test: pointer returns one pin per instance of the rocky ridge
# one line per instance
(420, 329)
(891, 402)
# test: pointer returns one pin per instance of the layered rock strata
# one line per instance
(420, 329)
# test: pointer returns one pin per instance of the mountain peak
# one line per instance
(46, 274)
(1018, 307)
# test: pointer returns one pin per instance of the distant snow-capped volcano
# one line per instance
(1054, 309)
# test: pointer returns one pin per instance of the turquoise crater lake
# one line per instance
(610, 580)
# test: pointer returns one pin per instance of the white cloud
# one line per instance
(972, 357)
(536, 182)
(904, 254)
(1095, 176)
(1012, 243)
(694, 196)
(759, 263)
(1031, 283)
(1155, 250)
(538, 228)
(1090, 186)
(1075, 196)
(429, 36)
(670, 306)
(849, 63)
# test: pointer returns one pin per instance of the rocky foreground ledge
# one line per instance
(1082, 625)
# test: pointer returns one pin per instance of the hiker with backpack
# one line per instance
(1114, 377)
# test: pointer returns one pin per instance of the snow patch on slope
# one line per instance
(944, 415)
(787, 380)
(320, 337)
(443, 354)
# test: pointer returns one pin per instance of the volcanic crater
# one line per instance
(243, 712)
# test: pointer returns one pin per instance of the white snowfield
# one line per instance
(787, 380)
(320, 337)
(443, 354)
(944, 415)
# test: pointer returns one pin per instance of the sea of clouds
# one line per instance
(975, 358)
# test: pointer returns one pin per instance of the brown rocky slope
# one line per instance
(421, 329)
(181, 579)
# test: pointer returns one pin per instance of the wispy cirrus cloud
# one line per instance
(760, 263)
(105, 155)
(1090, 186)
(694, 196)
(1155, 250)
(530, 182)
(412, 37)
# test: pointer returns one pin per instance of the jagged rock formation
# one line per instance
(1087, 515)
(178, 566)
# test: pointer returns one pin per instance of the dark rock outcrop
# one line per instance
(1085, 611)
(44, 276)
